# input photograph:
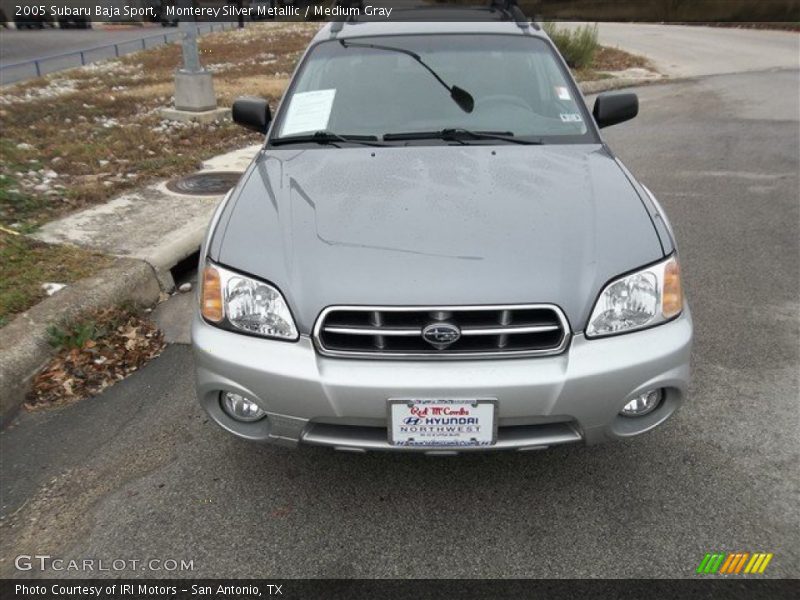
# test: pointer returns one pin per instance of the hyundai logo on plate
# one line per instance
(441, 335)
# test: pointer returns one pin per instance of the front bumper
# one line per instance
(543, 401)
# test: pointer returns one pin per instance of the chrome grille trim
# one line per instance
(373, 331)
(418, 330)
(504, 330)
(510, 330)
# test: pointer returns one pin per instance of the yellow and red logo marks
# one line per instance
(734, 563)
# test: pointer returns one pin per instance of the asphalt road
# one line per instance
(694, 51)
(140, 473)
(46, 45)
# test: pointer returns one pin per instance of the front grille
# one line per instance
(441, 331)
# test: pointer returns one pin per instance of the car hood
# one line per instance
(436, 225)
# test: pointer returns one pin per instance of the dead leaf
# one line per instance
(127, 343)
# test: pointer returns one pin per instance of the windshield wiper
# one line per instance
(459, 95)
(326, 137)
(459, 135)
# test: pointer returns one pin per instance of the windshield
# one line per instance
(374, 86)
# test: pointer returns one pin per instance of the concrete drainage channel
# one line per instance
(173, 316)
(205, 183)
(155, 233)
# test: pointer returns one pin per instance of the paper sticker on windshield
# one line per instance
(571, 118)
(308, 112)
(562, 93)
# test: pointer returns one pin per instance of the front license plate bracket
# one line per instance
(437, 423)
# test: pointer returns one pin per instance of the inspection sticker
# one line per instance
(562, 93)
(308, 112)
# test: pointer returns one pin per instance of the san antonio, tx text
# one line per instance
(129, 589)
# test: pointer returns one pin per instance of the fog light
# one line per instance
(642, 404)
(241, 408)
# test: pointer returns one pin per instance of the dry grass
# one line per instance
(25, 264)
(80, 137)
(608, 58)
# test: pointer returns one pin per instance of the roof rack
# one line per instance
(508, 7)
(339, 22)
(512, 9)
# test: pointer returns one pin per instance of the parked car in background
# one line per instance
(436, 251)
(33, 20)
(163, 17)
(159, 12)
(76, 22)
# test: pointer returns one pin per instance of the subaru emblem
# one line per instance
(441, 335)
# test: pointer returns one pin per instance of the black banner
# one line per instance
(79, 12)
(391, 589)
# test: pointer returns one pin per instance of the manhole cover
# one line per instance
(202, 184)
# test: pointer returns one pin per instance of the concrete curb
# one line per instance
(23, 342)
(616, 83)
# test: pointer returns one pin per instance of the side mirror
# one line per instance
(615, 107)
(252, 112)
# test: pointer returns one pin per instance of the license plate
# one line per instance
(428, 422)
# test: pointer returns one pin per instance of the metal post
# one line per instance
(191, 58)
(83, 59)
(194, 86)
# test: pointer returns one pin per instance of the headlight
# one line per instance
(642, 299)
(241, 303)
